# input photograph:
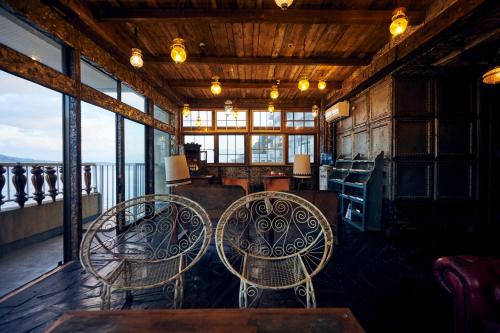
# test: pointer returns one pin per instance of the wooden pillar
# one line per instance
(149, 157)
(72, 160)
(120, 152)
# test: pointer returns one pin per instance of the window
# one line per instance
(161, 114)
(206, 142)
(299, 120)
(231, 149)
(300, 144)
(204, 116)
(132, 98)
(134, 159)
(267, 149)
(161, 150)
(224, 121)
(98, 80)
(23, 38)
(267, 120)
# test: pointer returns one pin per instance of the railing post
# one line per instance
(37, 181)
(19, 180)
(87, 178)
(2, 184)
(51, 179)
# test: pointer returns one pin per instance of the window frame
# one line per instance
(294, 128)
(196, 128)
(230, 128)
(266, 128)
(217, 153)
(204, 134)
(314, 145)
(283, 151)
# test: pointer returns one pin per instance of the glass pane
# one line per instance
(231, 148)
(206, 142)
(132, 98)
(204, 116)
(267, 149)
(309, 116)
(161, 115)
(300, 144)
(30, 133)
(134, 159)
(98, 80)
(161, 150)
(23, 38)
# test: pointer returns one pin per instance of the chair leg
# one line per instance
(305, 294)
(248, 295)
(179, 292)
(105, 297)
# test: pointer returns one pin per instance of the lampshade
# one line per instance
(176, 170)
(302, 166)
(492, 76)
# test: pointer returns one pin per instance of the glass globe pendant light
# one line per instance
(228, 108)
(197, 122)
(399, 21)
(283, 4)
(178, 52)
(215, 88)
(303, 83)
(270, 107)
(274, 94)
(315, 111)
(321, 84)
(186, 111)
(136, 54)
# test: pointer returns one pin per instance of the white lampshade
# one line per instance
(302, 166)
(176, 170)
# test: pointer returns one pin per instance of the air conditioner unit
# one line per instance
(337, 111)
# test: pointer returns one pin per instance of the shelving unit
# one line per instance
(358, 183)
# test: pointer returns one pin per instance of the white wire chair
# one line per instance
(146, 242)
(274, 240)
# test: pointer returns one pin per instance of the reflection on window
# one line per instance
(161, 150)
(300, 144)
(299, 120)
(198, 119)
(132, 98)
(161, 115)
(98, 80)
(229, 121)
(134, 159)
(267, 120)
(206, 142)
(267, 149)
(23, 38)
(231, 149)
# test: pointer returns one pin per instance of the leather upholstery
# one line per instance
(474, 283)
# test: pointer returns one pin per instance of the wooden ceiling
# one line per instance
(249, 44)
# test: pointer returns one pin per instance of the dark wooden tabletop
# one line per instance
(209, 320)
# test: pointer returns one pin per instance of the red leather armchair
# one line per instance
(474, 283)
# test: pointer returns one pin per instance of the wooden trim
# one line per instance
(267, 61)
(237, 84)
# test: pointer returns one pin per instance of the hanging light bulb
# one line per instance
(303, 83)
(215, 88)
(235, 114)
(492, 76)
(315, 110)
(283, 4)
(186, 111)
(178, 52)
(274, 94)
(136, 58)
(399, 21)
(228, 108)
(270, 107)
(197, 122)
(321, 84)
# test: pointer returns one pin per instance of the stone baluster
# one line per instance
(37, 181)
(51, 179)
(87, 178)
(2, 183)
(19, 180)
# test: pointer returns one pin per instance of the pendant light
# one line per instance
(186, 111)
(492, 76)
(303, 83)
(270, 107)
(235, 113)
(321, 84)
(274, 94)
(178, 52)
(228, 108)
(315, 110)
(215, 88)
(197, 122)
(283, 4)
(136, 54)
(399, 21)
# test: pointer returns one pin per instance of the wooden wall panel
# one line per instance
(454, 137)
(380, 140)
(413, 138)
(381, 100)
(455, 97)
(361, 146)
(412, 180)
(454, 179)
(347, 146)
(359, 109)
(413, 96)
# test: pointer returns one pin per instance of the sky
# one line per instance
(31, 125)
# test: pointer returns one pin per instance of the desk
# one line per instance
(209, 320)
(276, 182)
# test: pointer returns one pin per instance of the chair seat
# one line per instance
(275, 273)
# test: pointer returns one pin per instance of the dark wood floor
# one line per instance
(387, 282)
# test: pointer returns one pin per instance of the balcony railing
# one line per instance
(46, 182)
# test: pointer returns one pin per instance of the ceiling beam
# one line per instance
(229, 84)
(293, 15)
(291, 61)
(256, 103)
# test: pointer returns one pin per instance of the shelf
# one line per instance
(352, 198)
(359, 185)
(359, 171)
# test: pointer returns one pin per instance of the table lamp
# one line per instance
(176, 170)
(302, 166)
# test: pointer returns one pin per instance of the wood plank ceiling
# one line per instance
(246, 30)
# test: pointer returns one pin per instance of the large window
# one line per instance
(267, 149)
(230, 122)
(231, 149)
(98, 80)
(161, 150)
(207, 144)
(301, 145)
(267, 120)
(161, 114)
(23, 38)
(299, 120)
(198, 119)
(132, 98)
(134, 159)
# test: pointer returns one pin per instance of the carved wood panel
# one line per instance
(454, 137)
(412, 180)
(359, 109)
(346, 150)
(413, 96)
(381, 100)
(380, 140)
(361, 144)
(413, 137)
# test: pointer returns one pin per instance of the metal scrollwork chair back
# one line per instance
(146, 242)
(274, 240)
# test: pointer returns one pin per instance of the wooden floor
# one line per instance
(388, 286)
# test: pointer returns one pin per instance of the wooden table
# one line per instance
(202, 179)
(277, 182)
(209, 320)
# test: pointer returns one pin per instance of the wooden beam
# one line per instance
(253, 103)
(291, 61)
(293, 15)
(235, 84)
(411, 47)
